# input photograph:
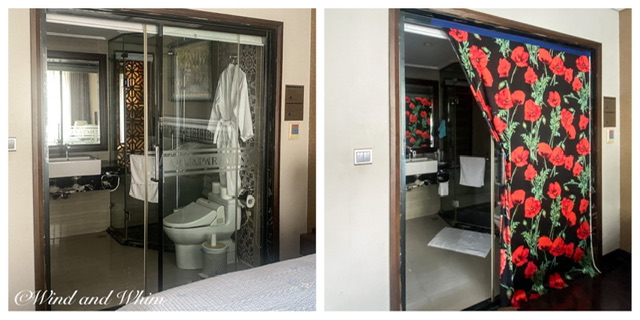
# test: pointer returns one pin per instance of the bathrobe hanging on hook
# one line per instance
(230, 119)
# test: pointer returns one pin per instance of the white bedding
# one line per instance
(288, 285)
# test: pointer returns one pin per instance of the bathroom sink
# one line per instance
(74, 166)
(421, 166)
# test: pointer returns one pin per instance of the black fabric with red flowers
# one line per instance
(536, 104)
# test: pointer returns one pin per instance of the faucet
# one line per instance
(67, 147)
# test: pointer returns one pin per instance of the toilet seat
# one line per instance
(202, 213)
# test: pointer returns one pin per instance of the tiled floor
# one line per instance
(439, 279)
(91, 270)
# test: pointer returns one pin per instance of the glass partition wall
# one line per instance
(186, 169)
(448, 250)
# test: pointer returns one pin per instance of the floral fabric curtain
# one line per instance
(536, 101)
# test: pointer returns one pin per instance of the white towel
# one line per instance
(443, 189)
(472, 171)
(138, 179)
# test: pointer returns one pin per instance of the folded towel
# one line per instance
(472, 171)
(138, 178)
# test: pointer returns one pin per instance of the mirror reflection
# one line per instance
(75, 99)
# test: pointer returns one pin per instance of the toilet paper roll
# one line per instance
(251, 201)
(215, 187)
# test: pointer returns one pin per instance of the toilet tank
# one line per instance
(229, 207)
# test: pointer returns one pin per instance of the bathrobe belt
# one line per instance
(221, 127)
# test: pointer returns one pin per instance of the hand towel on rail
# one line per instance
(138, 179)
(472, 171)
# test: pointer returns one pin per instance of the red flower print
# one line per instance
(530, 76)
(584, 122)
(568, 162)
(412, 105)
(412, 140)
(557, 248)
(571, 218)
(544, 243)
(503, 260)
(568, 250)
(520, 256)
(568, 75)
(408, 134)
(426, 135)
(566, 118)
(532, 207)
(557, 66)
(517, 97)
(518, 298)
(577, 84)
(554, 99)
(530, 270)
(557, 156)
(532, 111)
(554, 190)
(584, 205)
(566, 205)
(577, 169)
(520, 56)
(556, 282)
(487, 78)
(458, 35)
(423, 114)
(520, 156)
(506, 235)
(544, 150)
(503, 99)
(583, 147)
(578, 253)
(530, 173)
(478, 58)
(571, 132)
(499, 125)
(584, 231)
(517, 197)
(503, 68)
(544, 56)
(583, 63)
(413, 118)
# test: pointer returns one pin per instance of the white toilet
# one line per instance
(190, 226)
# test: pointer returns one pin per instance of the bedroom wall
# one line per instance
(356, 198)
(20, 178)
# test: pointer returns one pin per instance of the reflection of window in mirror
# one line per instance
(76, 100)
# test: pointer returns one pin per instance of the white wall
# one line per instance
(20, 182)
(293, 153)
(356, 198)
(600, 25)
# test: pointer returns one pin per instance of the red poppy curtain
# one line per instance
(536, 101)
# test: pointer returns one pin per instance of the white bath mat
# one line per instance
(463, 241)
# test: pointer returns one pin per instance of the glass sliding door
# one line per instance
(212, 142)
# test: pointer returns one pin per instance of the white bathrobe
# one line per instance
(231, 116)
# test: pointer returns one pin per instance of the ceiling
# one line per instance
(428, 52)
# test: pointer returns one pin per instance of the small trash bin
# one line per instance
(214, 259)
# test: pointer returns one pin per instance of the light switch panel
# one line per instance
(362, 156)
(12, 144)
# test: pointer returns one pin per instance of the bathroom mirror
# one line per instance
(76, 101)
(421, 114)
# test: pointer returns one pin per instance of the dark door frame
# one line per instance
(396, 225)
(38, 68)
